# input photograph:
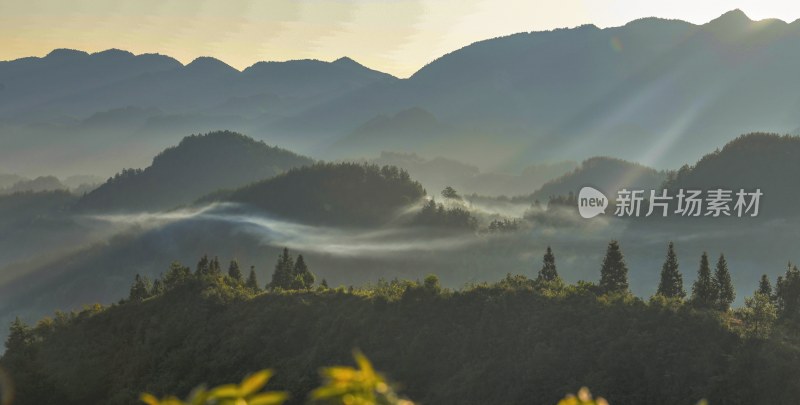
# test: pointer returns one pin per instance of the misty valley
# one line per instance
(167, 230)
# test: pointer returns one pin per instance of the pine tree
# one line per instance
(234, 273)
(141, 288)
(214, 267)
(252, 282)
(614, 273)
(283, 276)
(176, 275)
(723, 285)
(671, 284)
(758, 315)
(764, 286)
(302, 273)
(158, 287)
(787, 293)
(324, 284)
(548, 271)
(203, 266)
(20, 335)
(704, 294)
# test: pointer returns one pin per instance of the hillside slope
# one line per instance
(200, 164)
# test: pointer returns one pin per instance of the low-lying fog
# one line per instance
(101, 270)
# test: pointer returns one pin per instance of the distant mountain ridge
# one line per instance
(656, 91)
(118, 79)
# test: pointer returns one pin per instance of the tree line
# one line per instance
(710, 290)
(290, 273)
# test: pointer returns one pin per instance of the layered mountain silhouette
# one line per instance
(198, 165)
(655, 91)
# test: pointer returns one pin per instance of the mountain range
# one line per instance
(659, 92)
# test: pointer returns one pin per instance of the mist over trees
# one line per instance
(345, 194)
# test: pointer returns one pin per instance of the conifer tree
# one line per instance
(704, 294)
(20, 335)
(671, 284)
(158, 287)
(548, 271)
(234, 273)
(252, 282)
(214, 267)
(302, 274)
(723, 285)
(614, 273)
(141, 288)
(758, 315)
(324, 284)
(764, 286)
(203, 266)
(176, 274)
(283, 276)
(787, 292)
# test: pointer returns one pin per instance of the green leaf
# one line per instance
(255, 382)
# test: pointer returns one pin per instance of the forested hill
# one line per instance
(349, 194)
(605, 174)
(518, 341)
(769, 162)
(199, 165)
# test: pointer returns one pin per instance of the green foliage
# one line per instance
(451, 194)
(584, 397)
(723, 285)
(246, 393)
(764, 286)
(787, 292)
(671, 284)
(758, 315)
(290, 274)
(532, 339)
(252, 282)
(356, 386)
(437, 215)
(348, 194)
(234, 273)
(176, 275)
(704, 294)
(614, 272)
(503, 225)
(141, 288)
(548, 271)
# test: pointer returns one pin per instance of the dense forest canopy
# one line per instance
(348, 194)
(513, 341)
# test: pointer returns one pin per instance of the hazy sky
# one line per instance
(396, 36)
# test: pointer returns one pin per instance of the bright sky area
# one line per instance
(394, 36)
